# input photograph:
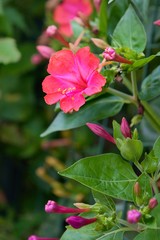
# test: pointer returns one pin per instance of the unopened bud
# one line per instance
(78, 222)
(51, 31)
(53, 207)
(137, 189)
(152, 203)
(109, 53)
(125, 128)
(157, 22)
(45, 51)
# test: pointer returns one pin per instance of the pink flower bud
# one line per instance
(51, 31)
(45, 51)
(36, 59)
(157, 22)
(78, 222)
(53, 207)
(109, 53)
(125, 128)
(100, 131)
(152, 203)
(133, 216)
(137, 189)
(34, 237)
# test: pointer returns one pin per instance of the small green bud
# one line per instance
(130, 149)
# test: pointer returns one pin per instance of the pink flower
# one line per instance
(53, 207)
(133, 216)
(125, 128)
(152, 203)
(66, 11)
(72, 77)
(110, 54)
(34, 237)
(157, 22)
(78, 222)
(101, 132)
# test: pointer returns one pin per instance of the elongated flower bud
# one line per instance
(133, 216)
(137, 189)
(101, 132)
(53, 32)
(157, 22)
(53, 207)
(110, 54)
(45, 51)
(152, 203)
(78, 222)
(34, 237)
(125, 128)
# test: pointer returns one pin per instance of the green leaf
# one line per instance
(89, 233)
(148, 235)
(142, 7)
(105, 200)
(130, 149)
(151, 86)
(107, 173)
(141, 62)
(8, 51)
(156, 148)
(92, 111)
(103, 17)
(130, 32)
(150, 162)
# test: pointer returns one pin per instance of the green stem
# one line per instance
(117, 93)
(138, 165)
(134, 85)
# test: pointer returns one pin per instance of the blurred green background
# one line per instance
(29, 163)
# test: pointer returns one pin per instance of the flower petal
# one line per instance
(87, 62)
(95, 84)
(53, 98)
(68, 104)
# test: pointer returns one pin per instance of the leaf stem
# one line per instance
(125, 96)
(134, 85)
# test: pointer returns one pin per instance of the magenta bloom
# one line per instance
(34, 237)
(78, 222)
(101, 132)
(53, 207)
(133, 216)
(152, 203)
(125, 128)
(157, 22)
(66, 11)
(73, 76)
(110, 55)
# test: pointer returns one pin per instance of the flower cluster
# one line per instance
(74, 221)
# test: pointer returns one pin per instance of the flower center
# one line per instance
(67, 91)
